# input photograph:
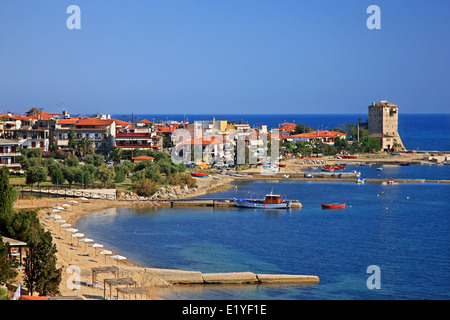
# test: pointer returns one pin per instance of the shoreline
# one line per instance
(71, 255)
(79, 255)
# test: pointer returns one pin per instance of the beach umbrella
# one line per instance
(95, 246)
(60, 221)
(66, 225)
(105, 252)
(55, 216)
(83, 198)
(78, 235)
(56, 210)
(118, 257)
(71, 230)
(86, 240)
(66, 205)
(72, 201)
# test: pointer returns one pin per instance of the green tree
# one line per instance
(71, 161)
(71, 144)
(105, 174)
(41, 274)
(6, 199)
(301, 128)
(36, 175)
(144, 187)
(57, 176)
(33, 111)
(69, 173)
(117, 154)
(7, 266)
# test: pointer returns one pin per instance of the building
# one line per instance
(100, 131)
(9, 151)
(139, 138)
(383, 124)
(323, 136)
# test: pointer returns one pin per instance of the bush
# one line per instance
(182, 179)
(144, 187)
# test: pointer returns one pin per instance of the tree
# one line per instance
(36, 175)
(57, 176)
(69, 173)
(71, 161)
(40, 271)
(6, 199)
(7, 266)
(105, 174)
(85, 146)
(33, 111)
(71, 136)
(117, 154)
(301, 128)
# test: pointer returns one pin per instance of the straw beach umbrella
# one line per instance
(71, 230)
(95, 246)
(72, 201)
(118, 257)
(78, 235)
(86, 240)
(105, 252)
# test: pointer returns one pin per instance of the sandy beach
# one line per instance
(79, 254)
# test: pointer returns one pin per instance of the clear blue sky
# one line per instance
(224, 56)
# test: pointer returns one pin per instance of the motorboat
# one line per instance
(390, 181)
(271, 201)
(359, 180)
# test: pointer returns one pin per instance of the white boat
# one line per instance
(285, 176)
(272, 201)
(271, 168)
(359, 180)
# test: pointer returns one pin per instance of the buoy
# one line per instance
(378, 195)
(407, 197)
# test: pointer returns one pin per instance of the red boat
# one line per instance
(328, 168)
(199, 174)
(333, 206)
(350, 156)
(281, 165)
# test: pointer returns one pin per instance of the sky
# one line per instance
(224, 56)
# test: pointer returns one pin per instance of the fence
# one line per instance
(105, 194)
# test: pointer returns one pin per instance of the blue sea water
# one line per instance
(402, 228)
(418, 131)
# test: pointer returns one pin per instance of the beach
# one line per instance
(73, 253)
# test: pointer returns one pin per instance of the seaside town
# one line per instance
(55, 168)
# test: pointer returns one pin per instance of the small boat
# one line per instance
(309, 176)
(350, 156)
(272, 201)
(333, 206)
(281, 165)
(199, 174)
(379, 169)
(390, 181)
(285, 176)
(405, 163)
(328, 168)
(271, 168)
(366, 164)
(359, 180)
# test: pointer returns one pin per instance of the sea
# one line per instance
(402, 231)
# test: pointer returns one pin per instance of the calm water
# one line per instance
(402, 228)
(418, 131)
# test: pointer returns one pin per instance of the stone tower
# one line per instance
(383, 124)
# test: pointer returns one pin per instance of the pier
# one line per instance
(213, 202)
(174, 276)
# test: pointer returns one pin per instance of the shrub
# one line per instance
(144, 187)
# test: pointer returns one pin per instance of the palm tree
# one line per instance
(84, 146)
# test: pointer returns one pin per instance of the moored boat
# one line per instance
(359, 180)
(333, 206)
(271, 201)
(390, 181)
(199, 174)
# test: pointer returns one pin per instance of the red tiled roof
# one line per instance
(94, 122)
(144, 121)
(319, 134)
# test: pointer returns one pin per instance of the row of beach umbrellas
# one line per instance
(75, 234)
